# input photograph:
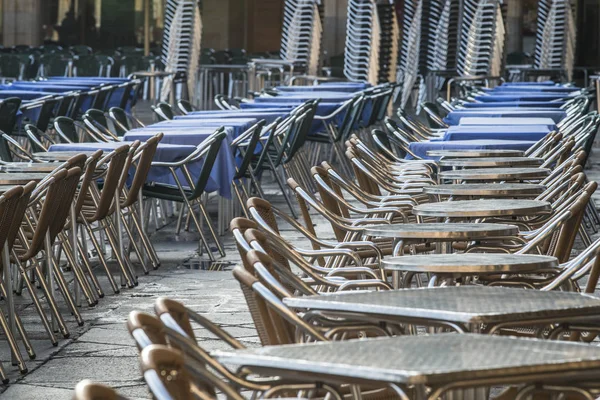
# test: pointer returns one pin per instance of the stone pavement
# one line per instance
(102, 349)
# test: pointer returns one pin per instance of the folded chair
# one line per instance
(163, 111)
(189, 191)
(48, 211)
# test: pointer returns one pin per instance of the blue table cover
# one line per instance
(323, 108)
(238, 126)
(223, 170)
(220, 177)
(545, 83)
(454, 117)
(293, 97)
(324, 88)
(515, 132)
(54, 88)
(421, 148)
(516, 104)
(532, 88)
(521, 96)
(546, 122)
(267, 116)
(24, 94)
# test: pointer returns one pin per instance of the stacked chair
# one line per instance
(556, 35)
(301, 35)
(181, 43)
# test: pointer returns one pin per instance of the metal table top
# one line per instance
(424, 360)
(491, 162)
(441, 231)
(31, 167)
(482, 208)
(21, 178)
(496, 174)
(61, 155)
(460, 304)
(487, 189)
(476, 153)
(471, 263)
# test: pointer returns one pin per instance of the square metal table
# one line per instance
(475, 309)
(438, 362)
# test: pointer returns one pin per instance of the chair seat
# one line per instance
(165, 192)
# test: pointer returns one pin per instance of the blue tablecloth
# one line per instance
(516, 104)
(324, 88)
(421, 148)
(24, 94)
(546, 122)
(454, 117)
(238, 125)
(51, 88)
(544, 83)
(323, 108)
(294, 97)
(220, 177)
(223, 170)
(267, 116)
(534, 88)
(521, 96)
(516, 132)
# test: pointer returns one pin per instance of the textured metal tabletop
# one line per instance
(482, 208)
(441, 231)
(20, 178)
(30, 167)
(487, 189)
(491, 162)
(60, 155)
(461, 304)
(425, 360)
(471, 263)
(496, 174)
(476, 153)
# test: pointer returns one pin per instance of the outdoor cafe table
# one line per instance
(455, 117)
(425, 148)
(220, 177)
(21, 178)
(450, 267)
(517, 104)
(486, 190)
(491, 162)
(31, 167)
(426, 361)
(482, 208)
(504, 132)
(495, 174)
(460, 308)
(512, 121)
(522, 96)
(472, 153)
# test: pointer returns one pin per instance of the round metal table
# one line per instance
(495, 174)
(475, 153)
(31, 167)
(440, 231)
(482, 208)
(449, 267)
(471, 263)
(483, 162)
(20, 178)
(60, 155)
(487, 189)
